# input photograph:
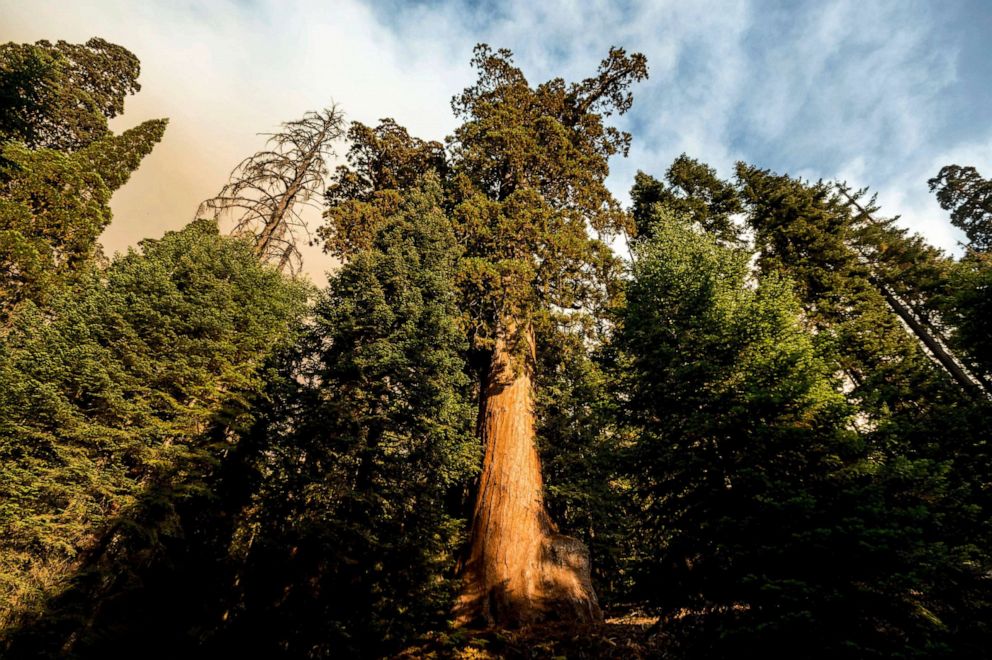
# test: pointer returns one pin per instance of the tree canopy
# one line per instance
(760, 430)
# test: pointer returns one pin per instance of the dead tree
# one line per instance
(268, 191)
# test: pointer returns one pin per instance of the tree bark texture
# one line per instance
(519, 570)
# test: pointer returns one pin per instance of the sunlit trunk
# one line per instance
(519, 569)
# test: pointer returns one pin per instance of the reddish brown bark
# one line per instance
(520, 570)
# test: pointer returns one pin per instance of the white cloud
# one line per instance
(845, 89)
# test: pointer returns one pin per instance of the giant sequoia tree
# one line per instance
(60, 96)
(529, 169)
(525, 183)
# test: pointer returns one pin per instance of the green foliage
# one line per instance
(925, 432)
(51, 212)
(528, 177)
(525, 177)
(381, 161)
(807, 233)
(60, 96)
(53, 203)
(112, 392)
(692, 190)
(366, 455)
(194, 462)
(764, 522)
(968, 196)
(967, 307)
(578, 443)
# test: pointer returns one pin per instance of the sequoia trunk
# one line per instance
(519, 569)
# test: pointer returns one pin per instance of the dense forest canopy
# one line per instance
(760, 429)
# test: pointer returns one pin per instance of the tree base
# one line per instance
(556, 587)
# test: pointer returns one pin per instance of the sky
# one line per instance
(874, 92)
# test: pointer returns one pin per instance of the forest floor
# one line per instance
(631, 635)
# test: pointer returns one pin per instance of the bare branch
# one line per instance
(265, 190)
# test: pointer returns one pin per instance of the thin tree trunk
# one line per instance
(926, 336)
(275, 219)
(937, 350)
(519, 569)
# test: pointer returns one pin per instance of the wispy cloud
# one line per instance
(880, 93)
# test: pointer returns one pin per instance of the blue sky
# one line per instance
(880, 93)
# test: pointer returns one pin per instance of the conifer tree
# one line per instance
(268, 190)
(60, 96)
(765, 525)
(59, 162)
(53, 207)
(363, 451)
(925, 431)
(968, 196)
(525, 183)
(692, 189)
(967, 301)
(106, 405)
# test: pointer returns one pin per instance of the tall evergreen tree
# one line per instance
(53, 207)
(966, 308)
(922, 426)
(525, 184)
(60, 96)
(692, 189)
(765, 524)
(354, 532)
(59, 162)
(968, 196)
(967, 301)
(106, 404)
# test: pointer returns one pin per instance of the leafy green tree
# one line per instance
(109, 398)
(918, 422)
(60, 96)
(967, 299)
(914, 278)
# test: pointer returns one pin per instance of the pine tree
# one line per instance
(374, 438)
(967, 301)
(692, 189)
(765, 525)
(925, 431)
(267, 191)
(107, 403)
